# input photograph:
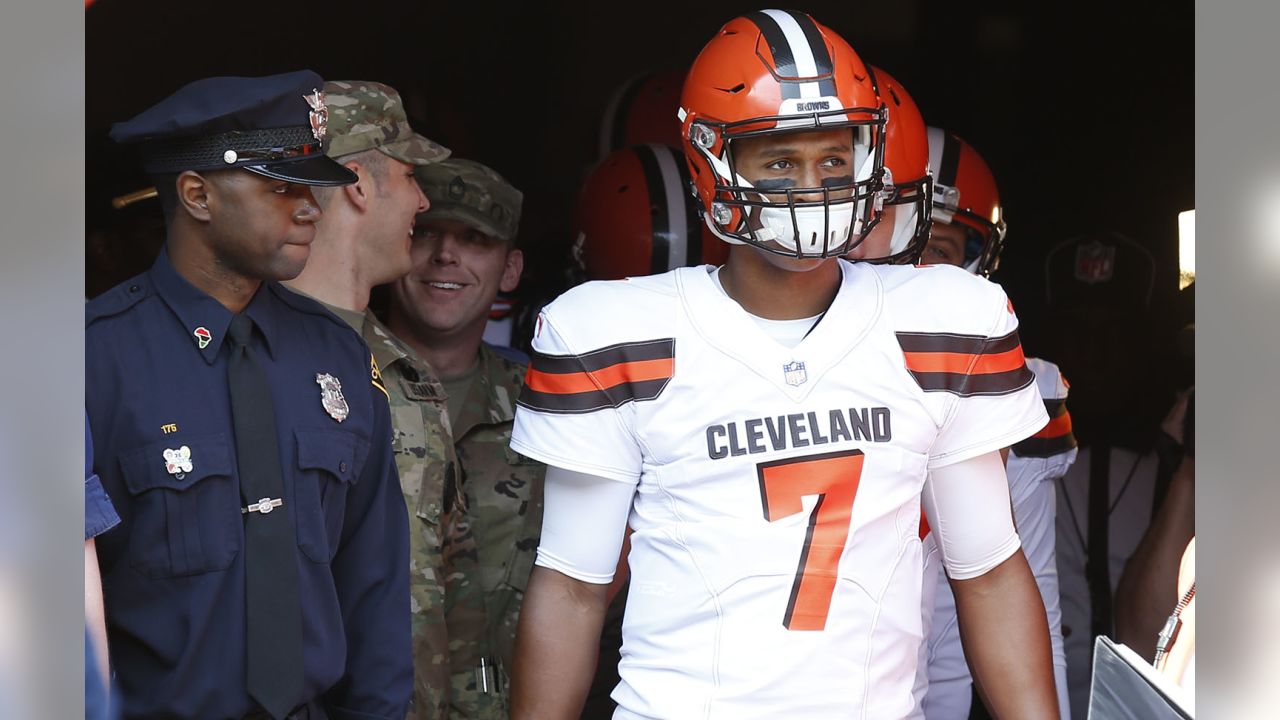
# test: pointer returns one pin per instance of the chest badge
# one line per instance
(794, 373)
(202, 336)
(178, 462)
(331, 396)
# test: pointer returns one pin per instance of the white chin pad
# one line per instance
(904, 227)
(777, 226)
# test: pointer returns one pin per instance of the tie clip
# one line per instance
(264, 506)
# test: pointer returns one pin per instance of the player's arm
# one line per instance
(1034, 516)
(584, 520)
(1001, 616)
(1147, 590)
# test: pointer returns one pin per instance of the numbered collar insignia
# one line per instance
(178, 462)
(794, 373)
(203, 336)
(331, 396)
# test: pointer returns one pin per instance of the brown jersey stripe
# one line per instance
(604, 357)
(584, 402)
(956, 343)
(1002, 383)
(602, 379)
(1055, 407)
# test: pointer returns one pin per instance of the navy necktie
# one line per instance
(273, 612)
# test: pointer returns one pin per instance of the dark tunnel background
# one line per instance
(1083, 110)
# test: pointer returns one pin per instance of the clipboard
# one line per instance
(1126, 687)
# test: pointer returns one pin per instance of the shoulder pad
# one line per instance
(942, 298)
(608, 312)
(118, 299)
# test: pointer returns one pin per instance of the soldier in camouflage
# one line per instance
(463, 254)
(364, 240)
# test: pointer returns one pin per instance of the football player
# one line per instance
(771, 428)
(969, 232)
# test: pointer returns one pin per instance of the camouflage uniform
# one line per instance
(428, 466)
(364, 115)
(492, 554)
(504, 506)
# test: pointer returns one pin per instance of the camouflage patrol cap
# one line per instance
(470, 192)
(364, 115)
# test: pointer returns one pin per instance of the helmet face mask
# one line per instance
(773, 75)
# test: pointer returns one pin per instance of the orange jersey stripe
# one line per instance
(602, 379)
(960, 363)
(1056, 427)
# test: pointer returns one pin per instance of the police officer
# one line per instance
(242, 433)
(464, 253)
(364, 241)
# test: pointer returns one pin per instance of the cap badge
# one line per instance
(331, 396)
(457, 188)
(794, 373)
(202, 336)
(319, 113)
(178, 462)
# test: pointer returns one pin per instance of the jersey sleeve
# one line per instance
(995, 402)
(568, 414)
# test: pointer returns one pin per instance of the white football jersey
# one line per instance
(776, 556)
(1034, 464)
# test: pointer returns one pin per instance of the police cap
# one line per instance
(273, 126)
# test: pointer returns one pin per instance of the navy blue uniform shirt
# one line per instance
(173, 572)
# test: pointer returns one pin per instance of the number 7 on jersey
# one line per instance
(833, 477)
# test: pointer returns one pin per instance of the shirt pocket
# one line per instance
(184, 523)
(327, 468)
(529, 475)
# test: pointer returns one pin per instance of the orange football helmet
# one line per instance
(771, 72)
(964, 192)
(908, 186)
(636, 216)
(643, 110)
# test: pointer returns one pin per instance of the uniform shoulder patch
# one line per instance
(966, 365)
(118, 299)
(606, 378)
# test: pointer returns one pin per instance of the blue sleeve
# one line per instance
(99, 514)
(371, 571)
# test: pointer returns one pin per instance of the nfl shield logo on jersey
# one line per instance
(794, 373)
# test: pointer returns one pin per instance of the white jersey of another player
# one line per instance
(1034, 464)
(776, 558)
